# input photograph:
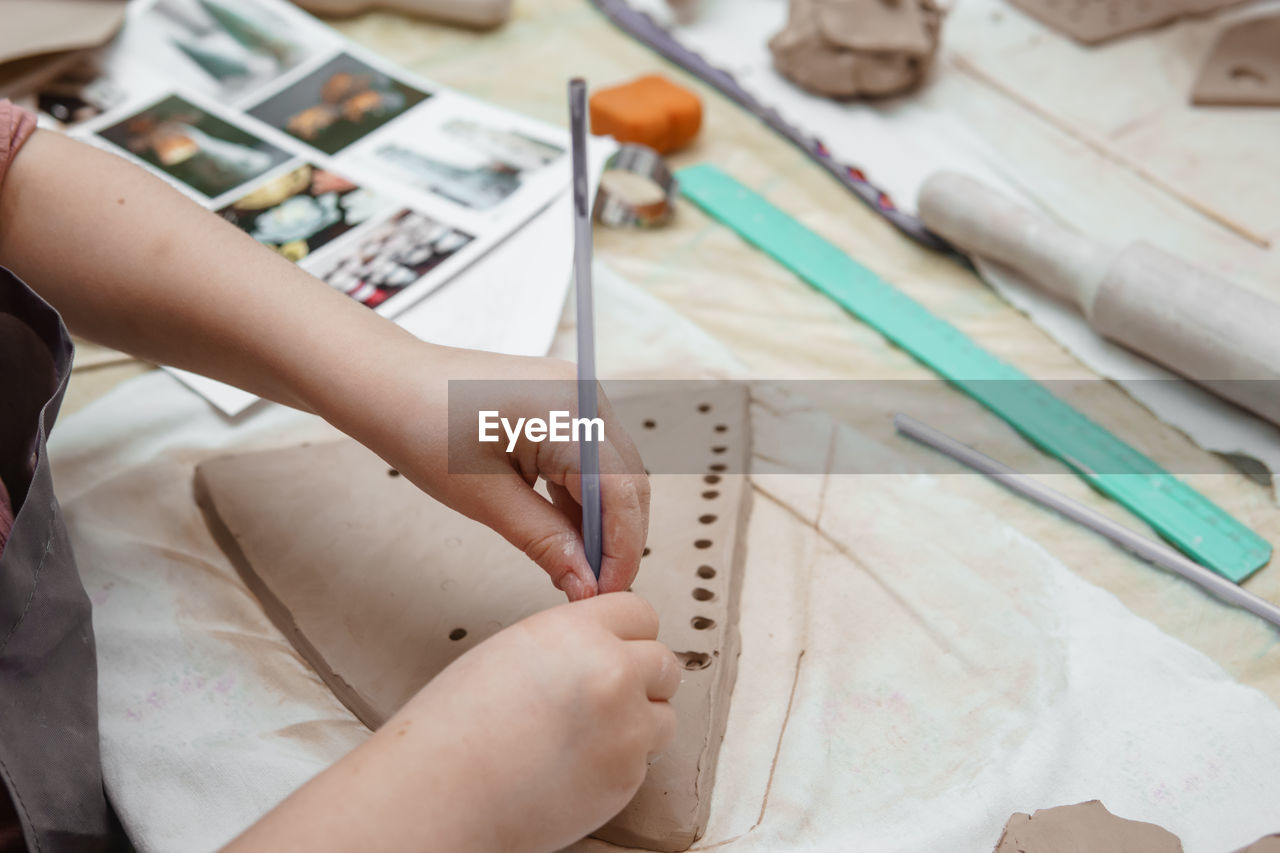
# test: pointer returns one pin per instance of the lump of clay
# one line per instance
(1084, 826)
(846, 48)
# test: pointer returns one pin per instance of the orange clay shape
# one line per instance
(650, 110)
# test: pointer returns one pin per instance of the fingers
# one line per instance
(658, 668)
(621, 440)
(565, 502)
(542, 532)
(627, 615)
(624, 499)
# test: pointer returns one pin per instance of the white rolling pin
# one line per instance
(1194, 323)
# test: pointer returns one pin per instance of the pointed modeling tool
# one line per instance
(587, 404)
(1153, 552)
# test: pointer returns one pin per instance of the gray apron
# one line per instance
(49, 761)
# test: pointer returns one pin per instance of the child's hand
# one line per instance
(554, 720)
(528, 742)
(409, 427)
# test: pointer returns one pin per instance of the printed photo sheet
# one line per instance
(382, 184)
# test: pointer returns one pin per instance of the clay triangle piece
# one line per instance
(1096, 21)
(379, 587)
(1083, 827)
(1243, 68)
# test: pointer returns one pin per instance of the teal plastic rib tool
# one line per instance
(1178, 513)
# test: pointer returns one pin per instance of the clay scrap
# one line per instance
(480, 14)
(1097, 21)
(850, 48)
(1243, 68)
(1082, 828)
(379, 587)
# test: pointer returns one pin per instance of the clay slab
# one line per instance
(1096, 21)
(379, 587)
(1083, 827)
(1243, 68)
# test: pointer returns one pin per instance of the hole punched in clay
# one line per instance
(710, 495)
(703, 544)
(711, 479)
(650, 424)
(704, 408)
(707, 519)
(644, 553)
(718, 467)
(722, 427)
(706, 572)
(1244, 72)
(457, 634)
(702, 623)
(694, 660)
(392, 472)
(703, 594)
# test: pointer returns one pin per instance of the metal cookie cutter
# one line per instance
(637, 188)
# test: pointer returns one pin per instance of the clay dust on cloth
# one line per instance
(899, 143)
(913, 669)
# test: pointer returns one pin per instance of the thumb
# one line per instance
(543, 532)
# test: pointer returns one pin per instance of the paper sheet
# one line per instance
(949, 676)
(899, 143)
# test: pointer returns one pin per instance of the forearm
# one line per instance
(131, 263)
(410, 787)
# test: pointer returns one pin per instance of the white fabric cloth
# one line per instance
(952, 670)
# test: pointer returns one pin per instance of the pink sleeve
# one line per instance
(16, 125)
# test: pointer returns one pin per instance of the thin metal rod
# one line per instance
(1153, 552)
(589, 451)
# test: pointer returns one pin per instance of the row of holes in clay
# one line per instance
(702, 660)
(689, 660)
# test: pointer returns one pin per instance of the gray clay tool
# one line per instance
(588, 404)
(1209, 330)
(1153, 552)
